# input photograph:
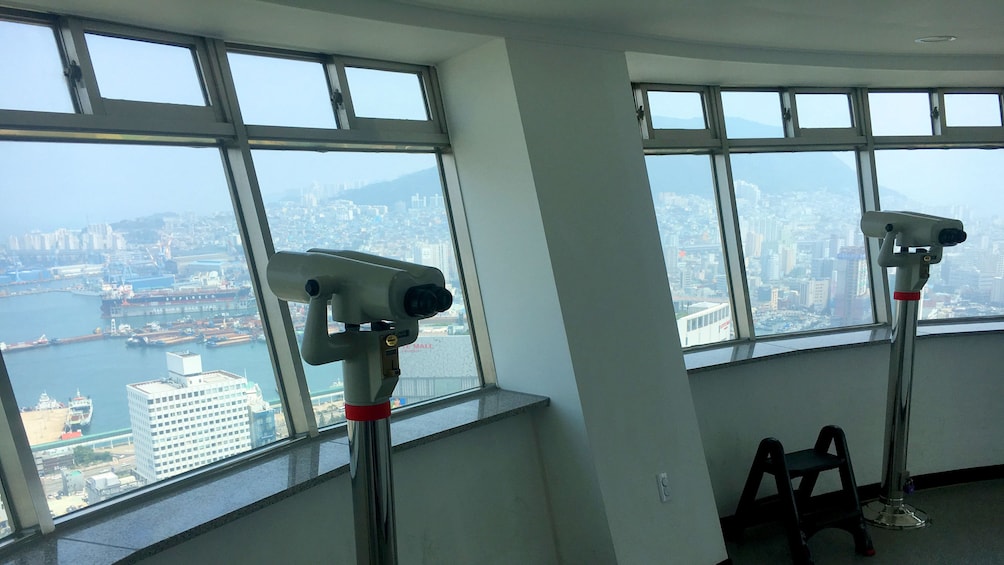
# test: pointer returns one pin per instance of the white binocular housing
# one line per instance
(362, 288)
(913, 229)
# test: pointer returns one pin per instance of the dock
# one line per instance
(44, 426)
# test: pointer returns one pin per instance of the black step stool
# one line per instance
(802, 514)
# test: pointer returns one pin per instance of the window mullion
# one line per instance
(24, 497)
(728, 215)
(434, 99)
(253, 225)
(338, 82)
(789, 114)
(465, 262)
(78, 60)
(738, 286)
(938, 120)
(334, 70)
(869, 193)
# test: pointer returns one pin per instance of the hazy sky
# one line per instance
(49, 185)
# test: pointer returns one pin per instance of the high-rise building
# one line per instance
(438, 255)
(262, 417)
(189, 419)
(814, 293)
(997, 291)
(851, 300)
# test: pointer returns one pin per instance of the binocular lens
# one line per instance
(951, 236)
(426, 300)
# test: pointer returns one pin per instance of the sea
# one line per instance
(101, 369)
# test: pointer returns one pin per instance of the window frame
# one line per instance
(858, 138)
(967, 132)
(851, 134)
(219, 124)
(91, 101)
(691, 139)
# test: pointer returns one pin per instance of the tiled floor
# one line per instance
(966, 528)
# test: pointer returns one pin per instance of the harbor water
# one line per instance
(102, 368)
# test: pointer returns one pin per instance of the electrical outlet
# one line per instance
(662, 479)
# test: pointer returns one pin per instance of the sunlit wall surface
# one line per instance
(136, 331)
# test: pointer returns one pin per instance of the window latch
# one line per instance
(786, 114)
(73, 72)
(337, 98)
(935, 113)
(640, 112)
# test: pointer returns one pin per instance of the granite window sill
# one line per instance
(716, 356)
(180, 511)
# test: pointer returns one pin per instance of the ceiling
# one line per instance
(849, 26)
(804, 42)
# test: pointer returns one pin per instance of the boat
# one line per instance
(24, 345)
(228, 340)
(124, 302)
(46, 402)
(79, 416)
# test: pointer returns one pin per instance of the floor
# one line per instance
(966, 527)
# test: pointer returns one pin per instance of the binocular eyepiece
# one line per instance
(427, 300)
(951, 236)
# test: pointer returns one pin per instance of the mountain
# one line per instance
(424, 183)
(779, 172)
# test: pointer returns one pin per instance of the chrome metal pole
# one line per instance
(372, 492)
(889, 511)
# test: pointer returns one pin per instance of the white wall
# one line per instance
(527, 337)
(956, 417)
(565, 239)
(476, 497)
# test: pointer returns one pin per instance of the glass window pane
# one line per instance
(123, 284)
(387, 204)
(683, 193)
(386, 94)
(676, 110)
(752, 114)
(900, 113)
(281, 92)
(961, 184)
(130, 69)
(823, 110)
(962, 110)
(799, 217)
(31, 70)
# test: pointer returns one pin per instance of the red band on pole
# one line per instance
(906, 295)
(367, 413)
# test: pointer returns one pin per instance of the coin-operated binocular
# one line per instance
(389, 297)
(911, 231)
(921, 239)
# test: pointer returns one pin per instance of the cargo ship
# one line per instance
(79, 416)
(124, 303)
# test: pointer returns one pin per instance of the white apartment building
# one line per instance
(705, 322)
(189, 419)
